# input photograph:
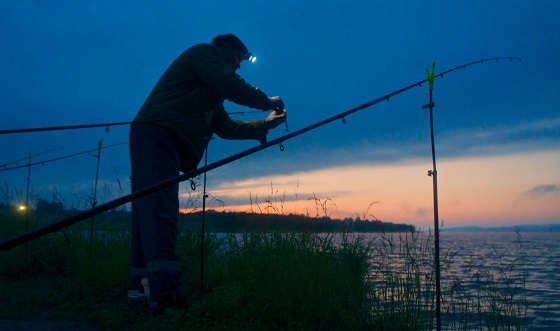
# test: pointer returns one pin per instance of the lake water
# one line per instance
(517, 274)
(534, 256)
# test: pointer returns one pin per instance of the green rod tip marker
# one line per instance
(431, 75)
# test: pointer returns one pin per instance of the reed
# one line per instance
(254, 280)
(477, 298)
(265, 281)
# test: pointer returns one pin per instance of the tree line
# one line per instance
(46, 212)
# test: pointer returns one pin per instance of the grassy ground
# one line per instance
(295, 281)
(258, 281)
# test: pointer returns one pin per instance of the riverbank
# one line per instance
(264, 281)
(261, 281)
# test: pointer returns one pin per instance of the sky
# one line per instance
(497, 125)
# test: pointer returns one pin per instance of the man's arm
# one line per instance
(227, 128)
(211, 69)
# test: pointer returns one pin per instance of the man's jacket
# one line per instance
(188, 102)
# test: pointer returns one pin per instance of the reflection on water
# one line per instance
(483, 275)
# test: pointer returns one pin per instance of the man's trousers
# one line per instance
(154, 158)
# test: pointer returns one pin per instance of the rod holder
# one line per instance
(429, 105)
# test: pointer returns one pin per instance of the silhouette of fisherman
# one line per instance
(170, 134)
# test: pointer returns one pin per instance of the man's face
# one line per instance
(237, 62)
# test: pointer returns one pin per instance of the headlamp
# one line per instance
(250, 57)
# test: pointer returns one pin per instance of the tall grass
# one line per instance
(282, 281)
(298, 281)
(474, 297)
(272, 281)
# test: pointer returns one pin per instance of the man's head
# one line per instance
(234, 49)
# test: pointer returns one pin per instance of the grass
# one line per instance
(278, 281)
(256, 281)
(473, 297)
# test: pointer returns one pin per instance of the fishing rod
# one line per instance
(10, 243)
(60, 157)
(103, 125)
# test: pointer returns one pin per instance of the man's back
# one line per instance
(180, 94)
(188, 95)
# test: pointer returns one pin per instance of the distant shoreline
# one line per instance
(513, 228)
(216, 221)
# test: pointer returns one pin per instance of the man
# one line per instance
(170, 134)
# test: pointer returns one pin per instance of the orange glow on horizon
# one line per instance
(473, 190)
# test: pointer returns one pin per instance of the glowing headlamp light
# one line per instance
(250, 57)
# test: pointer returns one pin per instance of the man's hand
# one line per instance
(275, 118)
(276, 103)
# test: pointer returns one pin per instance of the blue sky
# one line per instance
(69, 62)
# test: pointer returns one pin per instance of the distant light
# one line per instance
(252, 59)
(22, 208)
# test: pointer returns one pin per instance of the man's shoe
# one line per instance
(136, 299)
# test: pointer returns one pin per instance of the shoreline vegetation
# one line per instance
(251, 222)
(513, 228)
(217, 221)
(253, 281)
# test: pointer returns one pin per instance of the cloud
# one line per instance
(538, 135)
(543, 190)
(549, 124)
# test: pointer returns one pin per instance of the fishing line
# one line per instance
(60, 157)
(109, 124)
(27, 157)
